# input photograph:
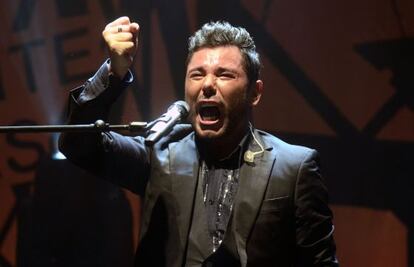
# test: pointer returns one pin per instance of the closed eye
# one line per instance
(227, 75)
(196, 75)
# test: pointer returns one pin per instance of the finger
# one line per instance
(123, 36)
(134, 27)
(122, 28)
(129, 48)
(123, 46)
(119, 21)
(117, 28)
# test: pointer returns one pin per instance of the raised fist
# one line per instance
(121, 38)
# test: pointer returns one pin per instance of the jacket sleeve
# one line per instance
(122, 160)
(314, 228)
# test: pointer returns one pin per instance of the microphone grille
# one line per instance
(182, 107)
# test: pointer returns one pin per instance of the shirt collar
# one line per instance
(233, 157)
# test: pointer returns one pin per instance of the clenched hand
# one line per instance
(121, 38)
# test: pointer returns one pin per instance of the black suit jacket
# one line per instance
(280, 215)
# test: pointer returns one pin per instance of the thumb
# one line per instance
(134, 27)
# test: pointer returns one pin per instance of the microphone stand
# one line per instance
(98, 126)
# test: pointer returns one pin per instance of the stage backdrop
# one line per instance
(338, 75)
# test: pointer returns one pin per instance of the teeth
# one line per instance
(208, 105)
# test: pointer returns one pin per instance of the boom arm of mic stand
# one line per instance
(98, 126)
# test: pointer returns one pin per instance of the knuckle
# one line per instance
(129, 36)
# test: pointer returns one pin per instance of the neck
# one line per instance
(221, 147)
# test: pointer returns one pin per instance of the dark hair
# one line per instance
(222, 33)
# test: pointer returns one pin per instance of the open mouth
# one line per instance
(209, 113)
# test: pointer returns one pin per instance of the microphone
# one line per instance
(177, 112)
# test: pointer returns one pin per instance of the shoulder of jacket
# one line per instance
(281, 146)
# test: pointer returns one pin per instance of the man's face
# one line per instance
(216, 88)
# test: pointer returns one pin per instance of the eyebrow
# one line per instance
(196, 69)
(220, 69)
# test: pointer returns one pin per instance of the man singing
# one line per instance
(218, 192)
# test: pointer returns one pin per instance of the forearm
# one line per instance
(88, 103)
(107, 155)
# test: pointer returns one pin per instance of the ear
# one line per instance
(256, 93)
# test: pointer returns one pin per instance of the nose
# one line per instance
(209, 86)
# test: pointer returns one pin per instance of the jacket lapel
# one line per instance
(253, 181)
(184, 169)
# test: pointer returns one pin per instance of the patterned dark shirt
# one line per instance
(220, 182)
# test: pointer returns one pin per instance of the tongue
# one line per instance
(209, 113)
